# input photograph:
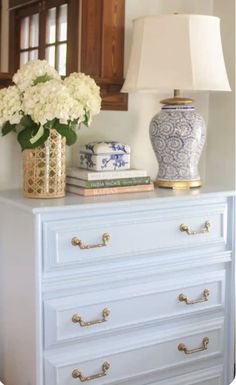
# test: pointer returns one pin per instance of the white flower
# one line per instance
(47, 101)
(10, 105)
(84, 89)
(29, 72)
(41, 94)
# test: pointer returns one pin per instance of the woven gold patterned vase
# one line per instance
(45, 168)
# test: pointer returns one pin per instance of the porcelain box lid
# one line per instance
(98, 148)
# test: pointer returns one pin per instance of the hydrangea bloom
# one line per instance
(47, 101)
(34, 69)
(41, 101)
(10, 105)
(84, 89)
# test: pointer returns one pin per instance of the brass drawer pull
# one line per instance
(77, 374)
(78, 319)
(77, 242)
(205, 297)
(183, 347)
(186, 229)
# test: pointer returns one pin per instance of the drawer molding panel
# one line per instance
(130, 234)
(212, 375)
(130, 306)
(144, 207)
(101, 278)
(125, 363)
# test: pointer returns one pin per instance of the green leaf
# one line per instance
(8, 127)
(50, 124)
(42, 79)
(86, 118)
(27, 122)
(73, 124)
(66, 131)
(71, 137)
(26, 135)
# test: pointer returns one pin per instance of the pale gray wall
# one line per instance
(220, 162)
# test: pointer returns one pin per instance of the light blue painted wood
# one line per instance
(139, 275)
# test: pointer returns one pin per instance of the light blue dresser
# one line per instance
(133, 289)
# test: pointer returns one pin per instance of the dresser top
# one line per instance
(71, 201)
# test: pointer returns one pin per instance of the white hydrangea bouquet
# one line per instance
(40, 101)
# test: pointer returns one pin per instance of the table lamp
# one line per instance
(177, 52)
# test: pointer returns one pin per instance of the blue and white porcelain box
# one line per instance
(105, 156)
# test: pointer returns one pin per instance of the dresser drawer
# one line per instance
(211, 381)
(85, 315)
(79, 241)
(112, 367)
(212, 375)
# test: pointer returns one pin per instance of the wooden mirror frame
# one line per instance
(102, 49)
(5, 79)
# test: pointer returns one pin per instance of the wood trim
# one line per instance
(12, 42)
(113, 39)
(28, 10)
(54, 3)
(42, 35)
(5, 79)
(73, 36)
(14, 4)
(91, 39)
(102, 47)
(113, 99)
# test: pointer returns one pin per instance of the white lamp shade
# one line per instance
(176, 52)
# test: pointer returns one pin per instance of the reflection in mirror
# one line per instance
(51, 26)
(29, 38)
(41, 30)
(43, 33)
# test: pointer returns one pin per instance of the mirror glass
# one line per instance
(40, 30)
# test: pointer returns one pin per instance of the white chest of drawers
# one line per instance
(111, 291)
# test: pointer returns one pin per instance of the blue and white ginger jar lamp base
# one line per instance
(178, 135)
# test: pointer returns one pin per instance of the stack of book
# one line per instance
(90, 183)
